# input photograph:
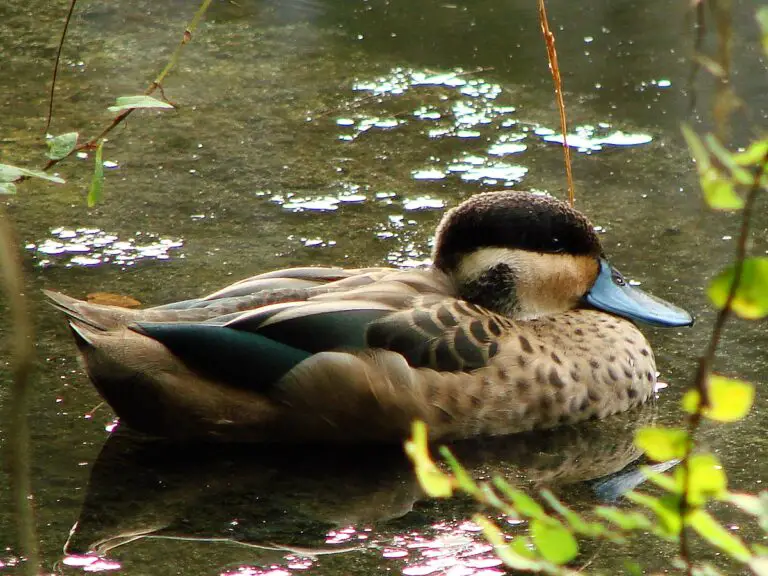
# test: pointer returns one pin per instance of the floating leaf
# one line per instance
(97, 180)
(433, 481)
(711, 530)
(7, 188)
(62, 145)
(130, 102)
(662, 444)
(751, 299)
(10, 173)
(507, 553)
(729, 399)
(554, 541)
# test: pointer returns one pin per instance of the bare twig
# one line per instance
(16, 416)
(699, 27)
(56, 65)
(705, 362)
(549, 38)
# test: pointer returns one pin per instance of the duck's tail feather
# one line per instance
(88, 316)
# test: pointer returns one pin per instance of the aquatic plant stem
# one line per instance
(549, 39)
(56, 65)
(155, 85)
(707, 359)
(16, 414)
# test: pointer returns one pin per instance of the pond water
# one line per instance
(336, 132)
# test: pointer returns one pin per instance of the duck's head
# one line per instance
(525, 255)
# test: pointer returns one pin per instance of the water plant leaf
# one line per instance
(142, 101)
(433, 481)
(712, 531)
(662, 444)
(729, 399)
(751, 299)
(7, 188)
(62, 145)
(97, 180)
(554, 541)
(759, 565)
(10, 173)
(506, 552)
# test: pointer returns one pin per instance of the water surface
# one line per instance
(329, 132)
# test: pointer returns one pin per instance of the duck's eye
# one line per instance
(618, 279)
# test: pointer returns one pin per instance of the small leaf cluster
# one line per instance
(64, 145)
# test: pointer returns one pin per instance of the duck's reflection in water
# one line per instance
(289, 505)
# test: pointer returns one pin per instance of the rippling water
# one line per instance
(328, 132)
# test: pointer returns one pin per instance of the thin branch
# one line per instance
(699, 26)
(706, 361)
(549, 39)
(155, 85)
(56, 65)
(16, 415)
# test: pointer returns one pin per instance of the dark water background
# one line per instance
(328, 131)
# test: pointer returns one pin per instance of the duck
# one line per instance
(520, 323)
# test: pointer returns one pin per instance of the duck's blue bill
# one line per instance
(613, 294)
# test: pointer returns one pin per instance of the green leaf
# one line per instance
(97, 180)
(554, 541)
(754, 154)
(730, 400)
(130, 102)
(7, 188)
(463, 480)
(751, 299)
(755, 505)
(762, 21)
(706, 479)
(711, 530)
(433, 481)
(665, 481)
(719, 191)
(662, 444)
(62, 145)
(574, 520)
(523, 504)
(625, 520)
(10, 173)
(508, 554)
(667, 510)
(725, 157)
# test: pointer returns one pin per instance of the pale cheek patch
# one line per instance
(544, 283)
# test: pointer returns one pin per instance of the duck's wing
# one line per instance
(407, 314)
